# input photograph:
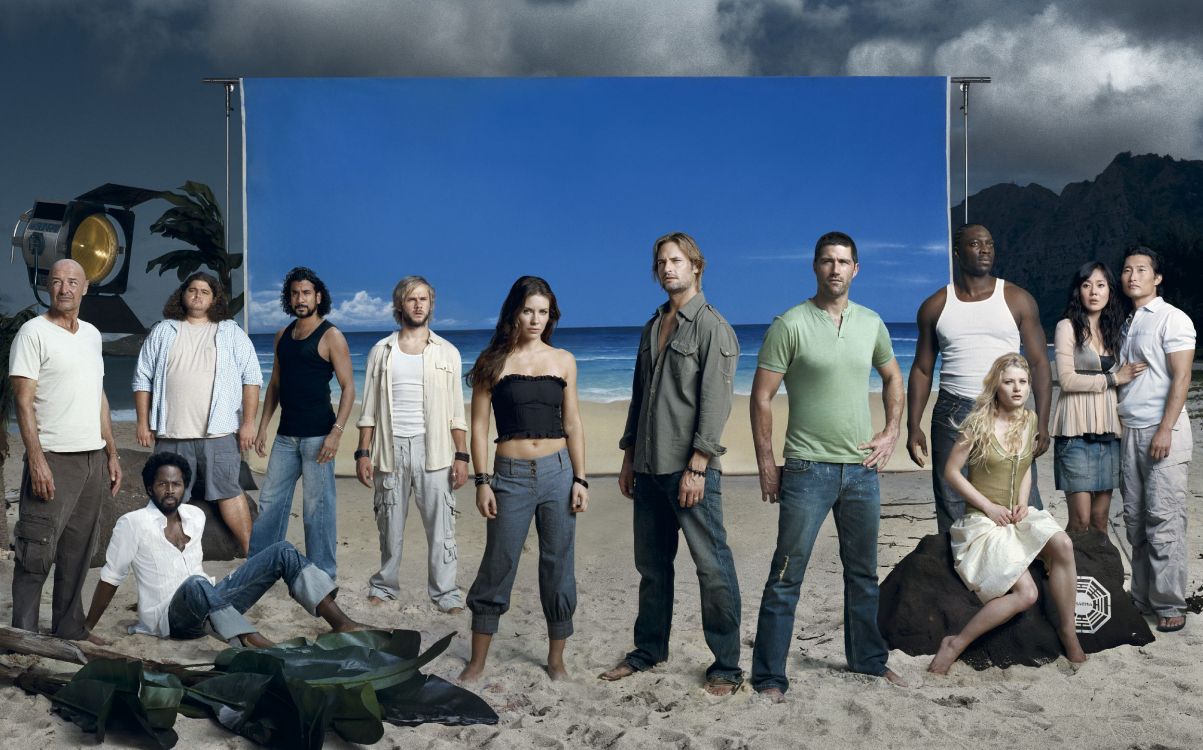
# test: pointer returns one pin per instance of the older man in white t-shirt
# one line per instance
(1156, 442)
(70, 457)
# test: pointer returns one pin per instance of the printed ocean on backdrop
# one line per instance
(605, 360)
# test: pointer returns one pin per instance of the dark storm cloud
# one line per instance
(1075, 83)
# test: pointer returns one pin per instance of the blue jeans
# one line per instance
(809, 489)
(947, 415)
(294, 458)
(658, 520)
(222, 604)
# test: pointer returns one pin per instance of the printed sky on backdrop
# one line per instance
(473, 182)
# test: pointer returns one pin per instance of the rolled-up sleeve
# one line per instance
(720, 350)
(1179, 333)
(371, 384)
(247, 359)
(144, 371)
(637, 392)
(120, 553)
(458, 420)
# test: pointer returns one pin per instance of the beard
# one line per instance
(304, 312)
(410, 322)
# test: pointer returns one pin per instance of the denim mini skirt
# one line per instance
(1085, 464)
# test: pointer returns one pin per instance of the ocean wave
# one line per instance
(124, 415)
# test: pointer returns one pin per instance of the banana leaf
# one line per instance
(111, 692)
(289, 695)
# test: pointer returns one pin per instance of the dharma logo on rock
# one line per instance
(1092, 609)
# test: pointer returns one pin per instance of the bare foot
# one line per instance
(773, 694)
(453, 611)
(350, 626)
(619, 672)
(892, 677)
(471, 673)
(944, 658)
(95, 640)
(375, 600)
(254, 640)
(557, 671)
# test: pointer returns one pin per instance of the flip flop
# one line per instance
(723, 682)
(1171, 628)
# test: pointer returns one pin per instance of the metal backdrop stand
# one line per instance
(963, 82)
(229, 84)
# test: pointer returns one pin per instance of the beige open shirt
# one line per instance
(442, 401)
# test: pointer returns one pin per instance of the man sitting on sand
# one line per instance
(176, 598)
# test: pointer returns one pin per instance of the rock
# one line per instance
(923, 599)
(218, 543)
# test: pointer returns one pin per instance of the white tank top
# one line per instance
(405, 370)
(971, 336)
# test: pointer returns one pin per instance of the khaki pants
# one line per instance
(1154, 494)
(431, 492)
(61, 532)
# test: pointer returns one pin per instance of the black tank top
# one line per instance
(305, 409)
(529, 406)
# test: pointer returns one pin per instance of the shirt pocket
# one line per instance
(683, 360)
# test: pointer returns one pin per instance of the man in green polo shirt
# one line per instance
(824, 349)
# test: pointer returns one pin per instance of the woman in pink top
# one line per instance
(1085, 421)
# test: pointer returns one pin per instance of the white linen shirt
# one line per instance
(1156, 330)
(139, 541)
(442, 401)
(237, 365)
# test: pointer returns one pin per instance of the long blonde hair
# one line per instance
(978, 427)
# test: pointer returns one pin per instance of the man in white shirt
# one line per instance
(412, 442)
(70, 457)
(196, 393)
(1156, 441)
(176, 599)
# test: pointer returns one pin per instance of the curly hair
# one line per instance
(978, 427)
(158, 461)
(173, 309)
(1111, 317)
(491, 362)
(301, 273)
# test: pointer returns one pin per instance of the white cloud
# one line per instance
(266, 313)
(363, 310)
(887, 57)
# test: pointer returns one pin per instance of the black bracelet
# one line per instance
(695, 472)
(362, 453)
(479, 479)
(580, 481)
(461, 456)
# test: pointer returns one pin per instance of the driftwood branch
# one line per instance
(81, 652)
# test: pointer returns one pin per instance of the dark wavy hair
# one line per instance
(173, 309)
(301, 273)
(488, 366)
(158, 461)
(1111, 318)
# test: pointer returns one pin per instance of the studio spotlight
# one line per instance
(97, 231)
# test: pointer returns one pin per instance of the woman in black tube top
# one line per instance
(538, 472)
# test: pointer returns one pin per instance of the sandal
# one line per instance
(1163, 625)
(721, 687)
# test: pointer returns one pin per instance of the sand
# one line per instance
(1126, 697)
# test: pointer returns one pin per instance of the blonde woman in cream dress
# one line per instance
(1000, 536)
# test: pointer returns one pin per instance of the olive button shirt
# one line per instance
(681, 396)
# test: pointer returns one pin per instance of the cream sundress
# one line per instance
(990, 558)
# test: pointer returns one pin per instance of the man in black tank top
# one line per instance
(308, 351)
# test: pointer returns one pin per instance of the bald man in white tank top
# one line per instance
(970, 323)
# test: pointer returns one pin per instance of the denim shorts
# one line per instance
(1082, 465)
